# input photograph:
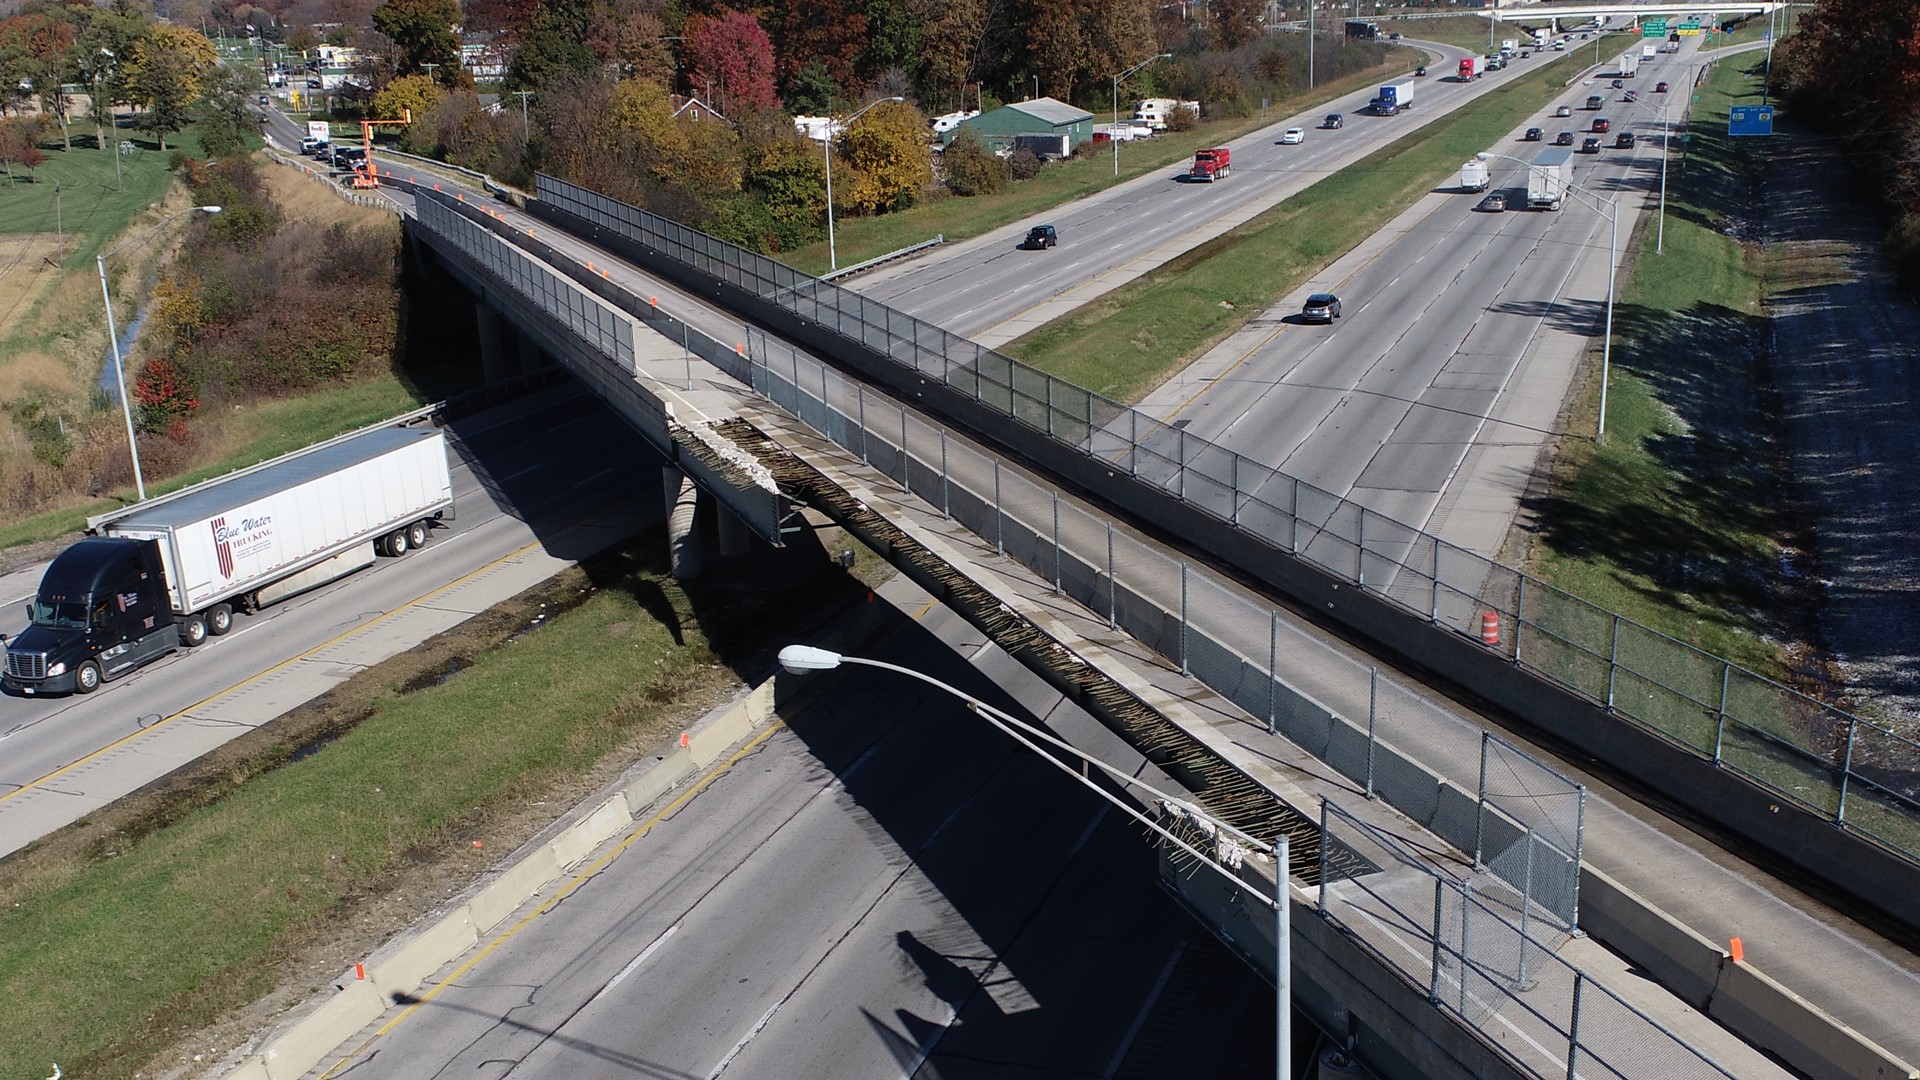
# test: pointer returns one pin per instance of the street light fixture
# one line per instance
(113, 339)
(833, 257)
(1113, 134)
(1611, 208)
(804, 659)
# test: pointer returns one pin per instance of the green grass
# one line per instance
(110, 956)
(1059, 183)
(1675, 522)
(93, 207)
(1752, 29)
(1126, 342)
(265, 431)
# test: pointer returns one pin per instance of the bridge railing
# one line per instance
(1859, 774)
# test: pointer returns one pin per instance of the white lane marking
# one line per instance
(634, 964)
(1140, 1018)
(744, 1040)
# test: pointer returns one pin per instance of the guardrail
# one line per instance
(877, 260)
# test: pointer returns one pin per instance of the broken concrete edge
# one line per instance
(399, 968)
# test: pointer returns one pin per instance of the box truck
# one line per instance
(172, 571)
(1472, 67)
(1393, 97)
(1474, 176)
(1647, 51)
(1548, 178)
(1630, 65)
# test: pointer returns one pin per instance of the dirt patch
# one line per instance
(29, 267)
(306, 200)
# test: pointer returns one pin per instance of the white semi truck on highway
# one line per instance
(172, 571)
(1548, 178)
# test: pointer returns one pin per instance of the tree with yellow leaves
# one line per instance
(886, 160)
(166, 74)
(417, 96)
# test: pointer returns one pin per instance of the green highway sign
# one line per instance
(1653, 28)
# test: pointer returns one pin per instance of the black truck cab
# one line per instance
(102, 610)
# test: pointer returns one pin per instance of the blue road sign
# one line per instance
(1750, 120)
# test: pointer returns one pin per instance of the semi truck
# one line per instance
(1393, 97)
(172, 571)
(1212, 164)
(1472, 67)
(1630, 65)
(1474, 176)
(1548, 179)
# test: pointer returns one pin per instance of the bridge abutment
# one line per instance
(683, 533)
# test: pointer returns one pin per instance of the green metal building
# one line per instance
(1041, 117)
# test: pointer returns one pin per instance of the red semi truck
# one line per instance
(1471, 67)
(1211, 165)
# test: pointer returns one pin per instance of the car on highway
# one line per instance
(1420, 71)
(309, 144)
(1618, 83)
(1601, 125)
(1321, 307)
(1632, 96)
(1565, 138)
(1623, 141)
(1660, 88)
(1591, 145)
(313, 84)
(1494, 203)
(265, 101)
(1559, 46)
(1595, 101)
(1334, 120)
(1564, 110)
(1041, 237)
(1533, 135)
(1292, 137)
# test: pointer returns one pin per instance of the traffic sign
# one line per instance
(1690, 28)
(1750, 120)
(1653, 28)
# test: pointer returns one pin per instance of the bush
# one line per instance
(1183, 118)
(971, 168)
(1024, 164)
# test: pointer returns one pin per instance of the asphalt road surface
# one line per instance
(885, 887)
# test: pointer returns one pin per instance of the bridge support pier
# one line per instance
(735, 537)
(530, 359)
(683, 534)
(493, 342)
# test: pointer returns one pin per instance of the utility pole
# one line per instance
(524, 95)
(429, 68)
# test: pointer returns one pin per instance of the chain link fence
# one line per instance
(1483, 953)
(1861, 774)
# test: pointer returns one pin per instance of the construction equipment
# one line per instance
(371, 177)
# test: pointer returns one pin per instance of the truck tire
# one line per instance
(86, 677)
(397, 543)
(193, 630)
(219, 619)
(417, 534)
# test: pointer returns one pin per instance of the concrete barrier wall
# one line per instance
(1799, 1032)
(1677, 958)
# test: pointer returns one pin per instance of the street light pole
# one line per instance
(833, 256)
(1113, 134)
(802, 659)
(113, 339)
(1611, 208)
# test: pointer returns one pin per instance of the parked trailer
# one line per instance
(172, 571)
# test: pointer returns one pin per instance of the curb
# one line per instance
(399, 968)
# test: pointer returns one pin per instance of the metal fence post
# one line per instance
(1133, 442)
(1373, 714)
(1613, 661)
(1113, 586)
(686, 353)
(1273, 676)
(1056, 541)
(1234, 491)
(1360, 549)
(1433, 603)
(1579, 852)
(1720, 720)
(1293, 517)
(1519, 617)
(1526, 906)
(1480, 802)
(906, 471)
(999, 515)
(1049, 406)
(1433, 988)
(1180, 444)
(1183, 618)
(1324, 845)
(946, 484)
(1846, 772)
(860, 418)
(1466, 924)
(1573, 1025)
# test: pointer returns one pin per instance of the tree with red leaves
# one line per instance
(730, 62)
(823, 30)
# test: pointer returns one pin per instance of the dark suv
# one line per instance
(1321, 307)
(1041, 237)
(1334, 120)
(1623, 141)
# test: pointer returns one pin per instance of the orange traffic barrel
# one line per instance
(1490, 628)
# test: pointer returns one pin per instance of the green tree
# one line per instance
(555, 46)
(224, 121)
(423, 32)
(789, 175)
(971, 168)
(413, 96)
(167, 74)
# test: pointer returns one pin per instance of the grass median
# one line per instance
(1126, 342)
(123, 936)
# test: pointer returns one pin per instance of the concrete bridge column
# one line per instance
(493, 344)
(735, 537)
(530, 359)
(683, 537)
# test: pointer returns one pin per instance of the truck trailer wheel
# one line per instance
(397, 543)
(417, 534)
(193, 630)
(86, 677)
(219, 619)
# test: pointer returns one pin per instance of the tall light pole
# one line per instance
(1611, 208)
(429, 68)
(833, 256)
(113, 338)
(802, 659)
(1114, 133)
(524, 95)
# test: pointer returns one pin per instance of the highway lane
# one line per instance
(524, 475)
(990, 291)
(886, 887)
(1385, 405)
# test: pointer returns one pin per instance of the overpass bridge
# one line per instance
(862, 456)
